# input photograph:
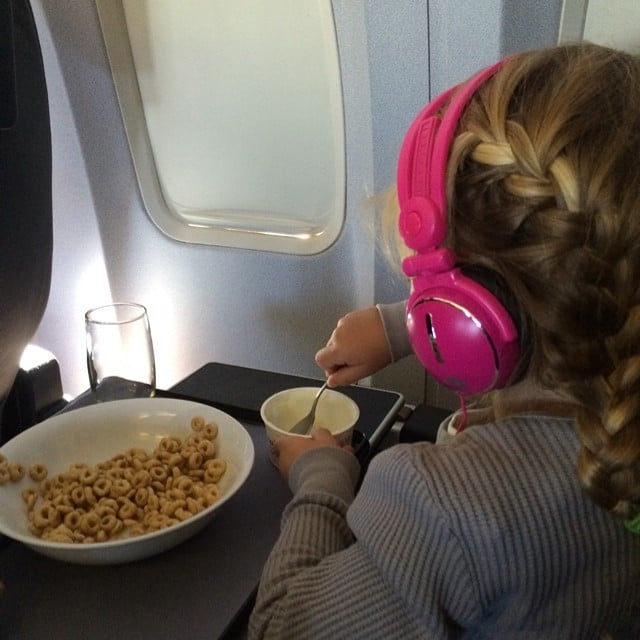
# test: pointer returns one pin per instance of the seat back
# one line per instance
(25, 187)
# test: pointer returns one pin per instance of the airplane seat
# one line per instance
(26, 236)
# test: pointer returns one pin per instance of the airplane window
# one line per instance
(234, 116)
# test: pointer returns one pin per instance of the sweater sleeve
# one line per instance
(392, 316)
(313, 528)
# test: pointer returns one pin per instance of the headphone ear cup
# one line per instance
(461, 332)
(495, 284)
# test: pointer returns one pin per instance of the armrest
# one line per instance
(423, 423)
(35, 395)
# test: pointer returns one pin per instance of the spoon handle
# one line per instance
(303, 426)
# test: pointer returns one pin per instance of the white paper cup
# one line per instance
(336, 412)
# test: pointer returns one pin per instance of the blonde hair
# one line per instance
(544, 188)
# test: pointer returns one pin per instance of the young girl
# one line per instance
(523, 521)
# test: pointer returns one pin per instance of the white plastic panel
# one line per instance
(612, 24)
(234, 116)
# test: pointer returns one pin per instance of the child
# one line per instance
(520, 195)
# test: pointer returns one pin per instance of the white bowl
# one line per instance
(335, 412)
(96, 433)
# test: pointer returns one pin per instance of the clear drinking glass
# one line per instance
(120, 357)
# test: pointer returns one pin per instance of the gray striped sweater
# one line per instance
(488, 535)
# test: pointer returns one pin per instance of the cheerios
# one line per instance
(132, 493)
(214, 470)
(30, 495)
(197, 423)
(38, 471)
(16, 471)
(210, 430)
(102, 487)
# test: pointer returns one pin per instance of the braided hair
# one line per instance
(544, 188)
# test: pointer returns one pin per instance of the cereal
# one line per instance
(16, 471)
(130, 494)
(197, 423)
(38, 472)
(214, 470)
(210, 430)
(30, 496)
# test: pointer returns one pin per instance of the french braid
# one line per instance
(544, 188)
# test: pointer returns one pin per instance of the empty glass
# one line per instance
(120, 357)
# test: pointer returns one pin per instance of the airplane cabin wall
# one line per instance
(250, 308)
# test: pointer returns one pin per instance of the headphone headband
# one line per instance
(422, 165)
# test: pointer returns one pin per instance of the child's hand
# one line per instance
(357, 348)
(288, 449)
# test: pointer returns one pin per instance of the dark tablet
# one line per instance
(240, 391)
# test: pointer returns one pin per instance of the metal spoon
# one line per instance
(302, 427)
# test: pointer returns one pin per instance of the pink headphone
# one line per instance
(461, 333)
